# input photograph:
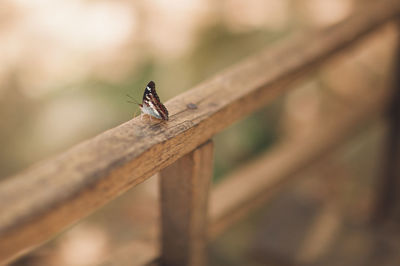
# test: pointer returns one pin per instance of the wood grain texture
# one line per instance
(184, 187)
(50, 196)
(256, 182)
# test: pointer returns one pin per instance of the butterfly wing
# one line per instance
(152, 101)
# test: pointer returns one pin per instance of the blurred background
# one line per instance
(67, 65)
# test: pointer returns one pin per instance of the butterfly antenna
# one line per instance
(133, 100)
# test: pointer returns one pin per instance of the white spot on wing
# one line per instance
(149, 109)
(154, 108)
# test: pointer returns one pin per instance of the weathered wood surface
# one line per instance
(184, 199)
(259, 180)
(48, 197)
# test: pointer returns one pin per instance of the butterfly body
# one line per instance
(151, 104)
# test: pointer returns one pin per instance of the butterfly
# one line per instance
(151, 104)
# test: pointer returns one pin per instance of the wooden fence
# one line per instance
(50, 196)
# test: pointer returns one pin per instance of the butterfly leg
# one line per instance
(141, 117)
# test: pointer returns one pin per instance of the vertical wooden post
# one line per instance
(388, 201)
(184, 198)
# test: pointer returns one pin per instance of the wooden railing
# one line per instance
(50, 196)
